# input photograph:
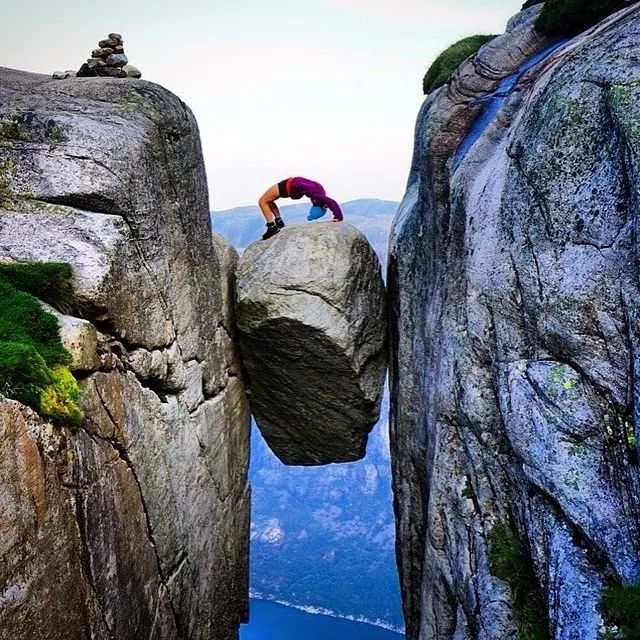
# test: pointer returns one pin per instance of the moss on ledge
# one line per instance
(621, 608)
(450, 59)
(510, 562)
(49, 281)
(568, 17)
(33, 361)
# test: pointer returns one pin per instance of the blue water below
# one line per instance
(272, 621)
(495, 100)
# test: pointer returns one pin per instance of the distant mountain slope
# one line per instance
(243, 225)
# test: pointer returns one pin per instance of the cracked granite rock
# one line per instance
(513, 285)
(148, 502)
(40, 545)
(311, 316)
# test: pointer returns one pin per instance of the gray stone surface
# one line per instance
(116, 60)
(513, 284)
(102, 52)
(110, 72)
(131, 71)
(94, 63)
(110, 42)
(311, 316)
(63, 75)
(149, 497)
(80, 338)
(84, 72)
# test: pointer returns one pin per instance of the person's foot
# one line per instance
(272, 229)
(279, 223)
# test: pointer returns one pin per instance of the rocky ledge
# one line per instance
(135, 525)
(312, 327)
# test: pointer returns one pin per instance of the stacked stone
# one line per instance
(109, 60)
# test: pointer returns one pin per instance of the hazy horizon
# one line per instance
(328, 89)
(284, 204)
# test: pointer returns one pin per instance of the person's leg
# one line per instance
(266, 203)
(278, 218)
(283, 191)
(269, 209)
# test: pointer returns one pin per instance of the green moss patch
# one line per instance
(568, 17)
(621, 607)
(33, 361)
(11, 129)
(510, 562)
(49, 281)
(450, 59)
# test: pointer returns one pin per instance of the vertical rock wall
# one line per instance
(136, 525)
(514, 288)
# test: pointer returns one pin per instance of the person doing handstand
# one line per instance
(296, 188)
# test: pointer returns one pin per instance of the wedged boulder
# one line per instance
(311, 317)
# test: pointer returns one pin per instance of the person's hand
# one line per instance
(336, 219)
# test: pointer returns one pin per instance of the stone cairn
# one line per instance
(108, 60)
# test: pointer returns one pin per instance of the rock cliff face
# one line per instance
(514, 286)
(136, 525)
(311, 316)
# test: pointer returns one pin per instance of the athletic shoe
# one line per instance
(271, 231)
(279, 223)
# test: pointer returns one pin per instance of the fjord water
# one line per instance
(324, 537)
(272, 621)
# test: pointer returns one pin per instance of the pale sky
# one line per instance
(327, 89)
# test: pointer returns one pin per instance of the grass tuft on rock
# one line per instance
(24, 321)
(33, 361)
(621, 607)
(23, 373)
(511, 563)
(450, 59)
(49, 281)
(58, 400)
(569, 17)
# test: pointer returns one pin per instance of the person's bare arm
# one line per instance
(334, 207)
